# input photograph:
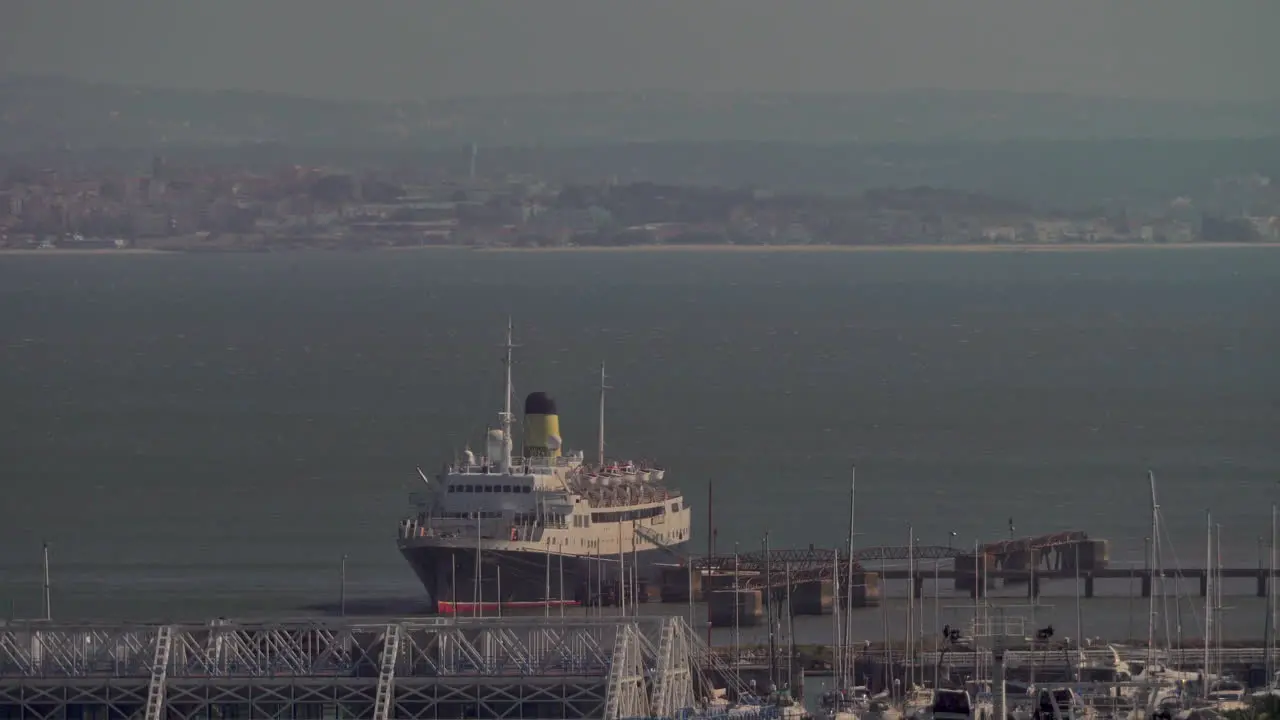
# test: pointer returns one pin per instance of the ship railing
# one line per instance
(519, 466)
(596, 501)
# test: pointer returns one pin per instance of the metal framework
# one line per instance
(1039, 542)
(610, 668)
(759, 571)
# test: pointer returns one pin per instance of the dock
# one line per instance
(599, 668)
(736, 586)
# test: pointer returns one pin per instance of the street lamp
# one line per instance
(342, 588)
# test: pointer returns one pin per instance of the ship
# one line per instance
(541, 527)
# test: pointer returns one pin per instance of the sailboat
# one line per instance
(1157, 684)
(846, 701)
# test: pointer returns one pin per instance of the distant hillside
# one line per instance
(47, 113)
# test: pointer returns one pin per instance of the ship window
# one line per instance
(675, 507)
(488, 488)
(528, 489)
(469, 488)
(506, 488)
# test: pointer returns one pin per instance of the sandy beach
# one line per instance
(1062, 247)
(626, 249)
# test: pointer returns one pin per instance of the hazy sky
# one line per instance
(410, 49)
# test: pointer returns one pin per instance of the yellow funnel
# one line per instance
(541, 426)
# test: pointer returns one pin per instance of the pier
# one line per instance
(737, 587)
(608, 668)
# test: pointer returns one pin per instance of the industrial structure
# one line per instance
(530, 667)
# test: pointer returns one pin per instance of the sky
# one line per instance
(418, 49)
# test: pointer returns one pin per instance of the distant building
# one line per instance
(1000, 233)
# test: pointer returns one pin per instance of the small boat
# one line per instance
(881, 709)
(918, 703)
(844, 704)
(951, 704)
(489, 607)
(1227, 695)
(1061, 703)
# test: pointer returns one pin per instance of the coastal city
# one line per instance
(187, 208)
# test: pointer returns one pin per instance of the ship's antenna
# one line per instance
(600, 446)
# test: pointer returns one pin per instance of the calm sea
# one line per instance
(209, 435)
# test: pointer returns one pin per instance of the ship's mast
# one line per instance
(600, 429)
(506, 417)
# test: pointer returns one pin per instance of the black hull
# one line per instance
(449, 575)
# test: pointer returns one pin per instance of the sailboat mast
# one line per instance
(737, 600)
(1079, 616)
(1152, 569)
(911, 603)
(1208, 594)
(848, 590)
(768, 610)
(791, 631)
(1217, 589)
(837, 655)
(622, 575)
(1271, 601)
(600, 427)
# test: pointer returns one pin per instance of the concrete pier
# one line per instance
(1024, 562)
(966, 572)
(749, 611)
(817, 597)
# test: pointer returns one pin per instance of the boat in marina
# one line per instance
(844, 704)
(952, 704)
(917, 703)
(539, 526)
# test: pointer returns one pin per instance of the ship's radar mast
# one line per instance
(506, 418)
(600, 429)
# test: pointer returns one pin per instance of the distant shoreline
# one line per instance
(44, 252)
(622, 249)
(1047, 247)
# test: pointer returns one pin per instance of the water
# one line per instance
(202, 435)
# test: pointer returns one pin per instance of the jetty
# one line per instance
(735, 586)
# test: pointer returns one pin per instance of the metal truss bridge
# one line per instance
(610, 668)
(778, 567)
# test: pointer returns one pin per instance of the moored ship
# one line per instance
(542, 526)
